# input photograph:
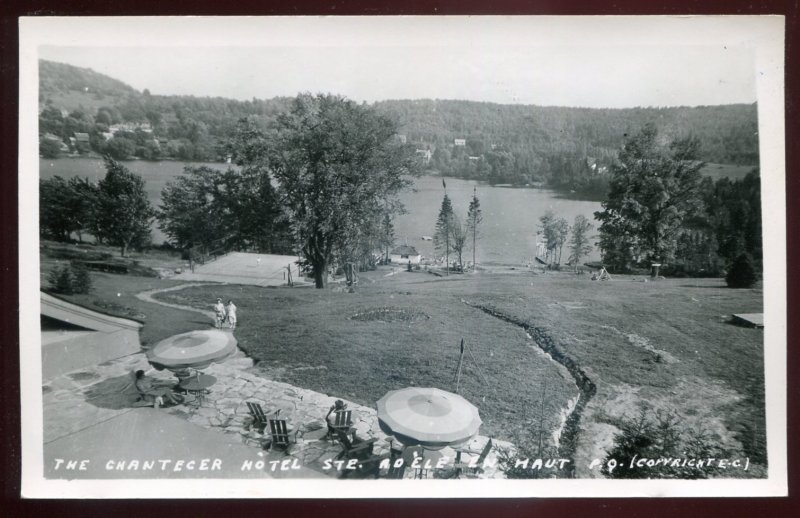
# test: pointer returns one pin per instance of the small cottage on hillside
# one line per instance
(74, 336)
(405, 254)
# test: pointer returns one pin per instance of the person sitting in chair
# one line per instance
(330, 417)
(147, 388)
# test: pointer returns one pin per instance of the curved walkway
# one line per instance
(147, 296)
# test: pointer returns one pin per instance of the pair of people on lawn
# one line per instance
(223, 313)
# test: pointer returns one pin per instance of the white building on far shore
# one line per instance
(404, 254)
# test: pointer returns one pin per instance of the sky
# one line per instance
(594, 65)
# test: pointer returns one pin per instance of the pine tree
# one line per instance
(442, 240)
(60, 280)
(474, 218)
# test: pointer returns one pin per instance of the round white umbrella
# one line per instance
(430, 417)
(195, 349)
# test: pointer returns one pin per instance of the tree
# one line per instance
(653, 189)
(338, 171)
(258, 220)
(459, 236)
(474, 218)
(120, 148)
(234, 209)
(658, 434)
(66, 206)
(579, 244)
(60, 280)
(561, 231)
(49, 148)
(81, 207)
(54, 198)
(123, 212)
(443, 238)
(554, 231)
(192, 212)
(387, 236)
(742, 273)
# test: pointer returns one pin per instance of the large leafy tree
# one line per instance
(54, 199)
(338, 171)
(653, 190)
(230, 209)
(192, 210)
(123, 213)
(66, 206)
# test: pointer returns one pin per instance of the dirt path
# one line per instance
(147, 296)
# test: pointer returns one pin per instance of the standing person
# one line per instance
(219, 313)
(231, 314)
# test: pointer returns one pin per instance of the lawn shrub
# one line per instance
(60, 280)
(70, 279)
(657, 435)
(81, 280)
(742, 273)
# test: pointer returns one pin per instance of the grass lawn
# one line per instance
(309, 338)
(116, 295)
(665, 344)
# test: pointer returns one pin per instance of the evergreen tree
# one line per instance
(60, 280)
(81, 280)
(443, 238)
(474, 218)
(742, 273)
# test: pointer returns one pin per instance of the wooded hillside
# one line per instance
(565, 148)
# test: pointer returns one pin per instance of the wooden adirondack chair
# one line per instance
(361, 450)
(282, 437)
(354, 448)
(259, 417)
(342, 421)
(464, 467)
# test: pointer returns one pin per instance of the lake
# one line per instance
(510, 215)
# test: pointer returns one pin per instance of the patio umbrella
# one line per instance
(195, 350)
(429, 417)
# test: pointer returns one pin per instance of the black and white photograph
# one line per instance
(402, 256)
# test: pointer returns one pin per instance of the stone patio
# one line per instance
(80, 399)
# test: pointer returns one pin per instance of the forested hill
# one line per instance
(728, 133)
(71, 87)
(567, 148)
